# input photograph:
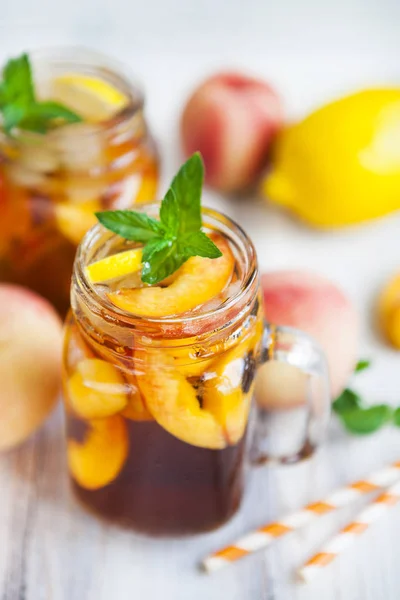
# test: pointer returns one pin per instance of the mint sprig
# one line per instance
(360, 418)
(176, 236)
(18, 104)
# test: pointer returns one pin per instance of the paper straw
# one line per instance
(265, 535)
(350, 533)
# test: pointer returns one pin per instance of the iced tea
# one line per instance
(158, 407)
(52, 183)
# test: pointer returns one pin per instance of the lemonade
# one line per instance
(53, 178)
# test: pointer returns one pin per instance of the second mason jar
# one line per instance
(52, 183)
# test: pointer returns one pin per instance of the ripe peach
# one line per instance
(315, 305)
(30, 358)
(389, 311)
(231, 119)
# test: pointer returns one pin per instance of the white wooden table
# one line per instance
(50, 549)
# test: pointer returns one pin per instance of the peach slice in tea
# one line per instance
(227, 394)
(188, 363)
(173, 401)
(99, 459)
(74, 349)
(196, 282)
(117, 265)
(136, 409)
(73, 221)
(96, 389)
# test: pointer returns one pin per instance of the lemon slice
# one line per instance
(93, 99)
(115, 266)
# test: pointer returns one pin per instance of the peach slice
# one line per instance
(173, 402)
(74, 348)
(117, 265)
(197, 282)
(188, 364)
(99, 459)
(74, 221)
(96, 389)
(136, 409)
(227, 395)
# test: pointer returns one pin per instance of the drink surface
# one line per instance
(52, 183)
(157, 419)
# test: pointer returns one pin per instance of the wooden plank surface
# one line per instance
(52, 549)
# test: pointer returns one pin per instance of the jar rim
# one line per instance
(221, 223)
(83, 59)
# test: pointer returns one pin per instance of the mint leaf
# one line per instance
(163, 263)
(131, 225)
(366, 420)
(396, 417)
(18, 103)
(362, 365)
(42, 114)
(12, 116)
(17, 78)
(154, 246)
(187, 186)
(348, 400)
(177, 236)
(2, 94)
(170, 214)
(199, 244)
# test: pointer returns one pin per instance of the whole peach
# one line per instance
(30, 358)
(231, 119)
(318, 307)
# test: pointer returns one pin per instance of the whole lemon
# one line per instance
(341, 165)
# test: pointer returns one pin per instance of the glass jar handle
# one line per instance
(295, 366)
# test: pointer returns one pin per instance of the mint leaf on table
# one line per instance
(396, 417)
(348, 400)
(172, 240)
(366, 420)
(362, 365)
(18, 102)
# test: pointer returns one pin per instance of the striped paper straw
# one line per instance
(264, 536)
(350, 533)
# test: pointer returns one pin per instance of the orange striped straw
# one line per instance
(350, 533)
(264, 536)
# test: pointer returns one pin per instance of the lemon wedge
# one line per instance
(92, 98)
(117, 265)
